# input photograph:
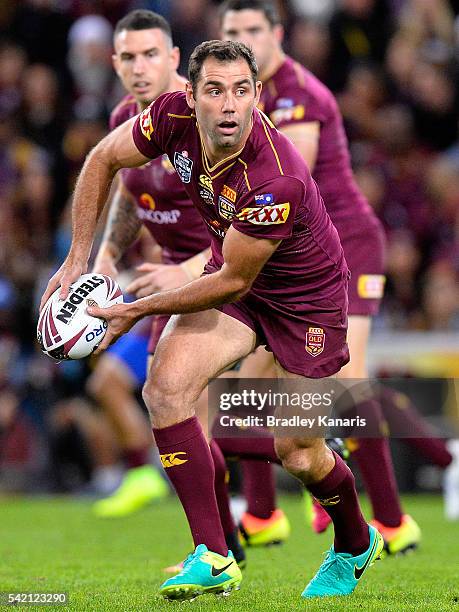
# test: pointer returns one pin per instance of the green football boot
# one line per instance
(203, 572)
(140, 486)
(340, 573)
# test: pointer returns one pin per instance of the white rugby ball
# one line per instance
(65, 330)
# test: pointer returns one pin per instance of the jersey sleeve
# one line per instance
(151, 128)
(298, 106)
(269, 211)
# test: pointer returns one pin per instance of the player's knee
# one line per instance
(298, 461)
(165, 397)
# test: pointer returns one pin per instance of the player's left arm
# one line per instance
(244, 257)
(161, 277)
(305, 136)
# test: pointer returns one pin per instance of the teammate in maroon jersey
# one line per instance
(151, 197)
(303, 109)
(277, 272)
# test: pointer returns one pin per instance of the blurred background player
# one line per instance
(152, 196)
(303, 109)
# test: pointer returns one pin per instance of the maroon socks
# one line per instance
(221, 489)
(135, 457)
(259, 488)
(188, 462)
(375, 465)
(336, 493)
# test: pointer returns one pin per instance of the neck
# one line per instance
(176, 83)
(272, 66)
(216, 155)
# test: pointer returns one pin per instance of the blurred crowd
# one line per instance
(393, 65)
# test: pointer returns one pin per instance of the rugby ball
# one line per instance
(65, 330)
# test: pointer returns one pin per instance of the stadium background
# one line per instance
(393, 65)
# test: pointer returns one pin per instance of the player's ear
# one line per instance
(189, 95)
(115, 63)
(175, 58)
(258, 88)
(278, 30)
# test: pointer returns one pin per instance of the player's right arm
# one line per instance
(121, 231)
(117, 150)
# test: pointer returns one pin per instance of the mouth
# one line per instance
(227, 128)
(141, 86)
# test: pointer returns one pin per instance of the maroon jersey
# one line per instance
(162, 203)
(265, 191)
(294, 95)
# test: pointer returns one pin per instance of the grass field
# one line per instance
(57, 545)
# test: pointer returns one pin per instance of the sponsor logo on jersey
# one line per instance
(206, 182)
(264, 198)
(226, 209)
(171, 459)
(146, 126)
(295, 113)
(183, 164)
(206, 196)
(147, 200)
(160, 217)
(371, 286)
(266, 215)
(315, 341)
(217, 228)
(229, 193)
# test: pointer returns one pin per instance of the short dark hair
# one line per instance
(222, 51)
(141, 19)
(268, 8)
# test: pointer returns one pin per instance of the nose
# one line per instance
(229, 103)
(139, 65)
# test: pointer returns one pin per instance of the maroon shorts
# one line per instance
(306, 338)
(365, 254)
(157, 326)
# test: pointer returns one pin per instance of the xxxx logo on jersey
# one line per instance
(146, 126)
(266, 215)
(171, 459)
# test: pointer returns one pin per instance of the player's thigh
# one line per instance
(359, 327)
(197, 347)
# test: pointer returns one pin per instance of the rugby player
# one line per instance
(302, 108)
(277, 270)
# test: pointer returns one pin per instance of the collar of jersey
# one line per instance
(215, 171)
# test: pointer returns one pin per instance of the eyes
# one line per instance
(240, 92)
(129, 57)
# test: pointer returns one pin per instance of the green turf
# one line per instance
(57, 545)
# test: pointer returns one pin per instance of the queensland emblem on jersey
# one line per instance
(226, 209)
(183, 166)
(266, 215)
(371, 286)
(315, 341)
(146, 126)
(147, 200)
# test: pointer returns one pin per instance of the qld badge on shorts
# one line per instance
(315, 341)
